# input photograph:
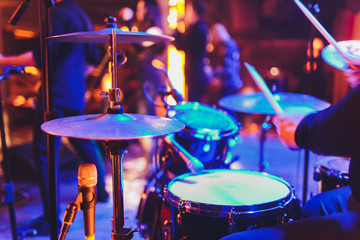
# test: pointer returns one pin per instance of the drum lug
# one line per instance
(167, 230)
(182, 210)
(166, 192)
(206, 140)
(231, 220)
(228, 159)
(233, 141)
(282, 215)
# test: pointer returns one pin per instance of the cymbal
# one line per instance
(112, 126)
(257, 103)
(102, 36)
(333, 58)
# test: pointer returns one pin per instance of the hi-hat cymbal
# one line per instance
(112, 126)
(102, 36)
(257, 103)
(333, 58)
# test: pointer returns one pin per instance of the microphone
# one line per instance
(173, 92)
(192, 163)
(87, 176)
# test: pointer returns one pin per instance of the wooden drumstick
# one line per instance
(264, 88)
(326, 35)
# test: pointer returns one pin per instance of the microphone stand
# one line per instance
(52, 164)
(8, 185)
(69, 216)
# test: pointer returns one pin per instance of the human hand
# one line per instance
(352, 77)
(287, 122)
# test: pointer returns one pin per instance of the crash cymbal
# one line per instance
(333, 58)
(257, 103)
(102, 36)
(112, 126)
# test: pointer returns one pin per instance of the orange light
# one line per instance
(125, 28)
(318, 45)
(274, 71)
(181, 7)
(107, 82)
(32, 70)
(308, 67)
(253, 128)
(176, 61)
(210, 47)
(19, 101)
(247, 90)
(134, 29)
(20, 33)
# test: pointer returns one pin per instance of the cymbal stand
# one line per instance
(265, 126)
(52, 163)
(116, 148)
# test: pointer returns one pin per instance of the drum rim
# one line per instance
(202, 133)
(214, 210)
(331, 171)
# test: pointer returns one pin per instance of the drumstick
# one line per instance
(264, 88)
(327, 36)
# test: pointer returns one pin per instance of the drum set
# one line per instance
(195, 194)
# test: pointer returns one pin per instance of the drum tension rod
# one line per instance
(231, 219)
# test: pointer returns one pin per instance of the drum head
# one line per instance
(334, 165)
(219, 190)
(203, 119)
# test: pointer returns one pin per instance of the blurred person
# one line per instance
(148, 19)
(67, 67)
(193, 42)
(225, 65)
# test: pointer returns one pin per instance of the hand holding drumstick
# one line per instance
(286, 121)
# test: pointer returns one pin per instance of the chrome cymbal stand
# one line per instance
(116, 149)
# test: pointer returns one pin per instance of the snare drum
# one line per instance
(208, 135)
(218, 202)
(332, 172)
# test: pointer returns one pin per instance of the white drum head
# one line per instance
(229, 187)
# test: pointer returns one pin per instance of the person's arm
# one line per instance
(333, 131)
(26, 58)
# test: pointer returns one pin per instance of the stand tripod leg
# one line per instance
(9, 188)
